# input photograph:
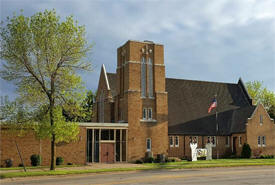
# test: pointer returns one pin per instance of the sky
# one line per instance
(214, 40)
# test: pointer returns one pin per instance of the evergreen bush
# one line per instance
(35, 160)
(246, 151)
(59, 160)
(9, 163)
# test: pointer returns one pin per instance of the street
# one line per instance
(262, 175)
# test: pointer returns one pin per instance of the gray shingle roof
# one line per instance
(231, 121)
(189, 100)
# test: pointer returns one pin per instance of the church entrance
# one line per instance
(106, 145)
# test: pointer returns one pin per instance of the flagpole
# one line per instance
(217, 128)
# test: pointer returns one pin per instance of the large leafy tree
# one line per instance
(42, 56)
(84, 113)
(261, 94)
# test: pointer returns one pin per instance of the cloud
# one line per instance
(219, 40)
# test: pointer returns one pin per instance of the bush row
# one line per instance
(36, 160)
(266, 156)
(153, 160)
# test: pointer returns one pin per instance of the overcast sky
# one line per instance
(203, 40)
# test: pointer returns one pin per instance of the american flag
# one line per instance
(213, 105)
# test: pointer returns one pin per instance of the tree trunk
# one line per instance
(53, 136)
(20, 155)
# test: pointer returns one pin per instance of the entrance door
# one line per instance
(107, 152)
(234, 145)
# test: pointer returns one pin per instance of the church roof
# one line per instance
(189, 100)
(229, 122)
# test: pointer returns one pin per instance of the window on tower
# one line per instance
(150, 113)
(150, 69)
(143, 77)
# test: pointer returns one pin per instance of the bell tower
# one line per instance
(141, 97)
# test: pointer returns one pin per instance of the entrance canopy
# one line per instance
(104, 125)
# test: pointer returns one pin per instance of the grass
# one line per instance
(221, 161)
(148, 166)
(65, 172)
(37, 167)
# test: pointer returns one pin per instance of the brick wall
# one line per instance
(74, 152)
(255, 129)
(184, 151)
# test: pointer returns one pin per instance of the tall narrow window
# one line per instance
(144, 113)
(259, 140)
(143, 77)
(261, 119)
(122, 76)
(176, 141)
(263, 140)
(171, 141)
(213, 140)
(150, 113)
(208, 139)
(240, 140)
(196, 139)
(227, 141)
(150, 79)
(148, 144)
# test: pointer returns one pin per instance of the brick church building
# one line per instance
(138, 110)
(165, 114)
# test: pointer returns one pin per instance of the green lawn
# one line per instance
(148, 166)
(37, 167)
(221, 161)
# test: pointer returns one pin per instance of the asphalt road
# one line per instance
(263, 175)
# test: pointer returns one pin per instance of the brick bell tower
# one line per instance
(142, 100)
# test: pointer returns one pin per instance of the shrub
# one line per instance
(138, 161)
(59, 160)
(69, 163)
(157, 160)
(246, 151)
(35, 160)
(201, 158)
(20, 165)
(183, 158)
(149, 160)
(160, 158)
(9, 163)
(266, 156)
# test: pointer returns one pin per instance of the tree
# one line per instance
(42, 56)
(84, 113)
(260, 94)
